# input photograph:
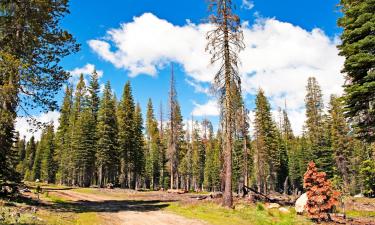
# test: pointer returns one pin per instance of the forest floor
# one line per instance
(64, 205)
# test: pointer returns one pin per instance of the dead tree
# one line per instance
(224, 43)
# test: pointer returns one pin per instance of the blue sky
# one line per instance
(137, 40)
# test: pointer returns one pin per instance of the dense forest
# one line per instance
(103, 140)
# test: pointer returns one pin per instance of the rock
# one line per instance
(360, 195)
(284, 210)
(300, 203)
(273, 206)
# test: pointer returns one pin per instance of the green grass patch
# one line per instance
(359, 214)
(243, 214)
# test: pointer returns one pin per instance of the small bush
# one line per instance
(260, 207)
(321, 198)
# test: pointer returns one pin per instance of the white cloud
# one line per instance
(210, 108)
(149, 43)
(86, 70)
(247, 4)
(279, 57)
(27, 129)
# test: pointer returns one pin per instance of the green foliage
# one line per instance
(153, 152)
(357, 47)
(47, 164)
(107, 147)
(367, 171)
(341, 141)
(62, 137)
(30, 31)
(266, 156)
(317, 128)
(125, 118)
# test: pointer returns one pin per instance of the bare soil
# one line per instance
(127, 206)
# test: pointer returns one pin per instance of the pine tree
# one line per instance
(9, 99)
(198, 157)
(85, 145)
(62, 136)
(29, 158)
(153, 154)
(107, 152)
(316, 123)
(29, 56)
(224, 42)
(175, 134)
(359, 68)
(139, 158)
(126, 123)
(47, 164)
(267, 157)
(21, 146)
(74, 141)
(93, 90)
(342, 143)
(36, 170)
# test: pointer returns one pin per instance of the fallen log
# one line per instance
(258, 195)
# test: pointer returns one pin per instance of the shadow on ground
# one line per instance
(109, 206)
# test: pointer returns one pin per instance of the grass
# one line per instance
(14, 212)
(243, 214)
(359, 214)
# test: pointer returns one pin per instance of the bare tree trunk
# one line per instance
(227, 195)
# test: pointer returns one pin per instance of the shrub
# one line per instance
(367, 172)
(321, 198)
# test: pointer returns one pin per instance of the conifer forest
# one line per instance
(106, 144)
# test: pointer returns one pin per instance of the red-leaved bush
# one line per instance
(321, 198)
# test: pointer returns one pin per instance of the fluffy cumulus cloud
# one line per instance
(279, 57)
(26, 128)
(149, 43)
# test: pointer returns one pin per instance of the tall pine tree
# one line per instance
(107, 147)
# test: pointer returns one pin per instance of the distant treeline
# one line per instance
(101, 140)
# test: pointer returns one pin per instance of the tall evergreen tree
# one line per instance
(175, 134)
(106, 152)
(316, 122)
(342, 143)
(74, 141)
(85, 145)
(126, 123)
(9, 99)
(32, 46)
(359, 68)
(47, 164)
(266, 157)
(93, 90)
(139, 158)
(29, 158)
(153, 145)
(62, 136)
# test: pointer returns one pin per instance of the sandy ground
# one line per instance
(129, 209)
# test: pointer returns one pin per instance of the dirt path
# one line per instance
(129, 210)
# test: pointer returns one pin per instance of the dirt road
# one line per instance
(128, 208)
